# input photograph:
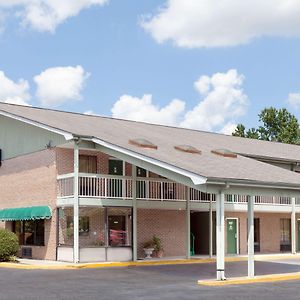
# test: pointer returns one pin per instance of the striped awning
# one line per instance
(25, 213)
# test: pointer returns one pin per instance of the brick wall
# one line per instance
(30, 180)
(65, 160)
(168, 225)
(269, 230)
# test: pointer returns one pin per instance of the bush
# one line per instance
(9, 245)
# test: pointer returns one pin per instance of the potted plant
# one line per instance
(148, 248)
(158, 249)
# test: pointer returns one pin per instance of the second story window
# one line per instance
(87, 164)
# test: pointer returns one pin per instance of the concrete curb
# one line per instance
(133, 264)
(115, 264)
(256, 279)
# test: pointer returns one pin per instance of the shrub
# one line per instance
(157, 243)
(9, 245)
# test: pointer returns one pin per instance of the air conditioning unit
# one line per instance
(26, 252)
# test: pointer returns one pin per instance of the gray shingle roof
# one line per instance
(207, 164)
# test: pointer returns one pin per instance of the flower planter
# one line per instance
(148, 252)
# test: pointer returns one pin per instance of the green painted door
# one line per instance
(141, 184)
(115, 167)
(298, 222)
(232, 236)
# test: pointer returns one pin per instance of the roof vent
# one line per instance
(143, 143)
(187, 149)
(224, 153)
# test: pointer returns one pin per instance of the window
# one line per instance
(119, 227)
(31, 233)
(84, 225)
(87, 164)
(285, 234)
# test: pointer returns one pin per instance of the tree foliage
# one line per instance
(277, 125)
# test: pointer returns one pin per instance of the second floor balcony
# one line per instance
(152, 189)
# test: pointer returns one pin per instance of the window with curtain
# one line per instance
(285, 231)
(87, 164)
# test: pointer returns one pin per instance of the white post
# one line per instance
(134, 215)
(220, 236)
(210, 228)
(76, 204)
(293, 225)
(188, 223)
(251, 236)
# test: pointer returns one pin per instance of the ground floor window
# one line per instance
(285, 234)
(31, 232)
(119, 227)
(98, 227)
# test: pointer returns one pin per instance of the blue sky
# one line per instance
(118, 56)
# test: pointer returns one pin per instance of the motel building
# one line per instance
(80, 188)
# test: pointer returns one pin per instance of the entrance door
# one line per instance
(256, 235)
(232, 236)
(141, 184)
(298, 222)
(115, 167)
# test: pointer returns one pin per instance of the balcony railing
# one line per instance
(120, 187)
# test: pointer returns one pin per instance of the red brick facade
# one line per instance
(31, 180)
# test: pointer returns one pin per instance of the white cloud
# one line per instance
(90, 113)
(142, 109)
(58, 85)
(214, 23)
(222, 102)
(46, 15)
(229, 128)
(13, 92)
(294, 100)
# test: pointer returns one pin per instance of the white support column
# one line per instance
(251, 236)
(76, 204)
(134, 215)
(293, 225)
(220, 236)
(188, 223)
(210, 228)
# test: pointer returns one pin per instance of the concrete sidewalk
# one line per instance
(58, 265)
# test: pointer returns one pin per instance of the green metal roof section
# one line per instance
(25, 213)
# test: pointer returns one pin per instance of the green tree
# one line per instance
(277, 125)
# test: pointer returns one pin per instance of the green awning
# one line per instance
(25, 213)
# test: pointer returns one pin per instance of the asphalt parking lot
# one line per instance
(148, 282)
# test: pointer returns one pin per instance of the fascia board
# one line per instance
(67, 135)
(196, 179)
